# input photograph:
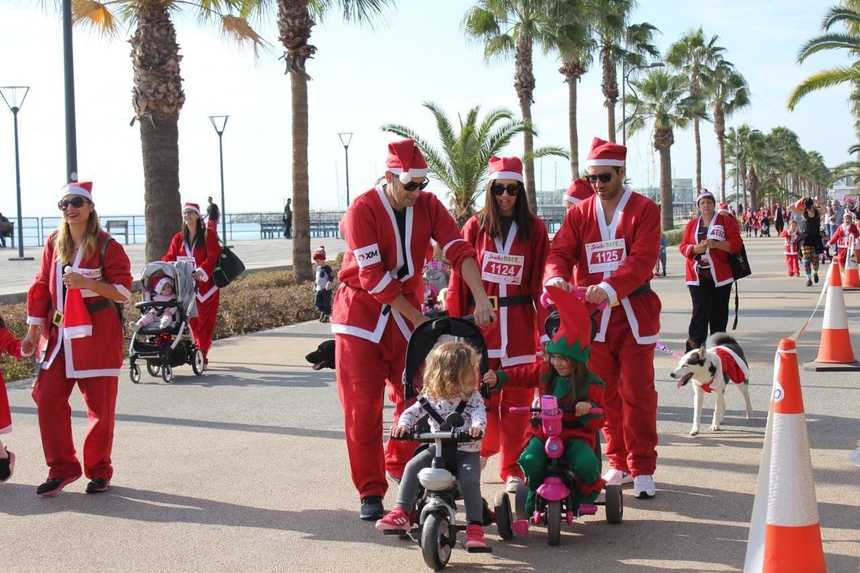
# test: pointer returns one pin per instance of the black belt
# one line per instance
(500, 301)
(643, 289)
(57, 316)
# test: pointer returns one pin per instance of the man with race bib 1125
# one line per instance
(608, 246)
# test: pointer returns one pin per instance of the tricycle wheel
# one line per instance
(436, 541)
(134, 373)
(520, 502)
(553, 522)
(614, 504)
(504, 518)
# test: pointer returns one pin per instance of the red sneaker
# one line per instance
(475, 536)
(395, 520)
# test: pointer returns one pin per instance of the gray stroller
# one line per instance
(163, 349)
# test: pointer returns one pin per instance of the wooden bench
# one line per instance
(7, 231)
(118, 227)
(271, 229)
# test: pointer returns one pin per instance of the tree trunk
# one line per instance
(301, 186)
(609, 85)
(667, 200)
(572, 129)
(697, 136)
(157, 98)
(524, 83)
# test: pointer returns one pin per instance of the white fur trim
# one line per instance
(81, 331)
(598, 162)
(507, 175)
(72, 189)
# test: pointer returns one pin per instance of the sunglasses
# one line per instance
(76, 202)
(412, 185)
(603, 178)
(498, 190)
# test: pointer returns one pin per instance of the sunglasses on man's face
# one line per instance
(76, 202)
(498, 190)
(412, 185)
(603, 178)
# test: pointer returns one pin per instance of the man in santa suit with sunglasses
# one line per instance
(608, 246)
(378, 304)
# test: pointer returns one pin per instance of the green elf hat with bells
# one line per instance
(573, 335)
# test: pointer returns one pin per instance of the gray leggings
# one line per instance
(468, 475)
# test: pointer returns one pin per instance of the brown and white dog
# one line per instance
(711, 368)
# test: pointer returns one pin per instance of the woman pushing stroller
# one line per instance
(563, 373)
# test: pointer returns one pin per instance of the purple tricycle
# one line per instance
(554, 500)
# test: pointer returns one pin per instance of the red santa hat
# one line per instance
(405, 160)
(506, 168)
(191, 207)
(573, 337)
(82, 188)
(606, 153)
(76, 320)
(159, 285)
(579, 190)
(320, 253)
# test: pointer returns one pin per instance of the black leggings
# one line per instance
(710, 309)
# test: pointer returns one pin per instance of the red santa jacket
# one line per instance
(723, 228)
(206, 255)
(99, 354)
(515, 336)
(841, 234)
(792, 240)
(619, 257)
(536, 375)
(376, 254)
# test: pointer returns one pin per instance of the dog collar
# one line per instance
(707, 386)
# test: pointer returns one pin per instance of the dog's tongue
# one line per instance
(318, 366)
(683, 380)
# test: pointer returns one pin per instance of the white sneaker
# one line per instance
(643, 487)
(617, 477)
(512, 483)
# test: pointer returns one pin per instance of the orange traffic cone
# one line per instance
(834, 352)
(852, 276)
(785, 534)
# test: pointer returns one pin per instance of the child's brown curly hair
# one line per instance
(451, 371)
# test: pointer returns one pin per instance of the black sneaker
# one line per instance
(809, 282)
(53, 486)
(371, 508)
(815, 277)
(7, 466)
(98, 485)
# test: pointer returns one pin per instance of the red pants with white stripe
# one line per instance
(51, 393)
(627, 369)
(364, 370)
(203, 326)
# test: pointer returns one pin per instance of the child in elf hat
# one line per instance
(562, 373)
(12, 346)
(163, 293)
(323, 284)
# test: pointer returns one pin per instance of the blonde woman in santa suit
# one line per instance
(200, 247)
(512, 245)
(78, 256)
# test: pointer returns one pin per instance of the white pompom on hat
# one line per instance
(506, 168)
(606, 153)
(405, 160)
(82, 188)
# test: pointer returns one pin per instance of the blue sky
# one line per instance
(364, 78)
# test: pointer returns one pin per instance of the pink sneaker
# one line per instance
(475, 536)
(395, 520)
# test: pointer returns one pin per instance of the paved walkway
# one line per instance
(244, 468)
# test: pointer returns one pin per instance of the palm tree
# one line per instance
(693, 56)
(728, 92)
(157, 96)
(296, 18)
(461, 164)
(619, 41)
(512, 27)
(848, 14)
(663, 98)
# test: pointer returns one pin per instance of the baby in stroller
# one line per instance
(163, 292)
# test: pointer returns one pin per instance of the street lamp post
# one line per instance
(11, 95)
(625, 75)
(219, 122)
(345, 139)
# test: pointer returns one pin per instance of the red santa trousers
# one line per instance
(5, 411)
(793, 265)
(212, 225)
(506, 433)
(627, 369)
(51, 393)
(364, 370)
(203, 326)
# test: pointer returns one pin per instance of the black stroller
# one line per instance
(166, 348)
